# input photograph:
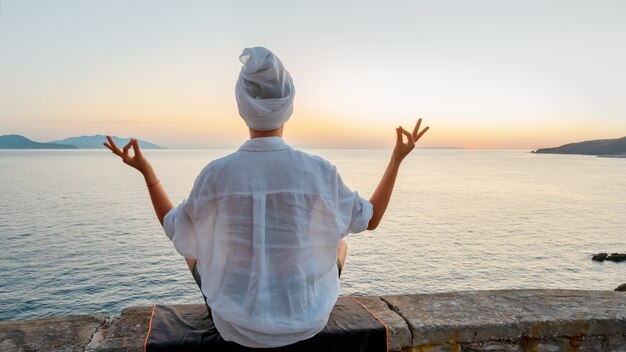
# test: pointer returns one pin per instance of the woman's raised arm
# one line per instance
(160, 201)
(382, 194)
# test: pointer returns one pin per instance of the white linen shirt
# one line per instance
(264, 224)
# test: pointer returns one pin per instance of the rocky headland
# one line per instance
(600, 147)
(14, 141)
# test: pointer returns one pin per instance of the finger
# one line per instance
(416, 129)
(114, 148)
(108, 146)
(408, 136)
(422, 133)
(127, 147)
(136, 146)
(111, 142)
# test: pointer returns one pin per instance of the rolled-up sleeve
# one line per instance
(354, 212)
(179, 228)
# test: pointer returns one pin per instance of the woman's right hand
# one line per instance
(137, 161)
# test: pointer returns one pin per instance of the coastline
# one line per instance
(619, 156)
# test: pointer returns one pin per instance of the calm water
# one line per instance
(79, 234)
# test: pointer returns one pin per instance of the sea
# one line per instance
(79, 234)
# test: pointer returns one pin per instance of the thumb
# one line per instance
(409, 137)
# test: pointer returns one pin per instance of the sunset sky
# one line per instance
(482, 74)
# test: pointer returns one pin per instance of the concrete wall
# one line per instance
(508, 320)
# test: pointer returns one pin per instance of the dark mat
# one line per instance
(351, 327)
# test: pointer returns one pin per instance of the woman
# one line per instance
(263, 228)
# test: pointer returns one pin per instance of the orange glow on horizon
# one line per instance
(216, 125)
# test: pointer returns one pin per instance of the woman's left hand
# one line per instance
(137, 161)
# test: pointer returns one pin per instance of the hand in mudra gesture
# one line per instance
(403, 149)
(137, 160)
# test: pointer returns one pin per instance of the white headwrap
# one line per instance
(264, 90)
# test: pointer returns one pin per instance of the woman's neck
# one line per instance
(271, 133)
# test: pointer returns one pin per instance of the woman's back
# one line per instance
(265, 223)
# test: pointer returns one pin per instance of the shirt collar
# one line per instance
(264, 144)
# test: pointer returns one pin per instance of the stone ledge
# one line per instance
(124, 333)
(507, 320)
(67, 334)
(399, 334)
(558, 320)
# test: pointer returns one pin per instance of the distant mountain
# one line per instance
(602, 147)
(93, 142)
(14, 141)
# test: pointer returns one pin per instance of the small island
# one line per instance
(601, 147)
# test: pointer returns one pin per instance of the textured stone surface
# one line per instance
(399, 333)
(508, 320)
(512, 317)
(124, 333)
(65, 334)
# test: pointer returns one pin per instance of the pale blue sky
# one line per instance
(506, 74)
